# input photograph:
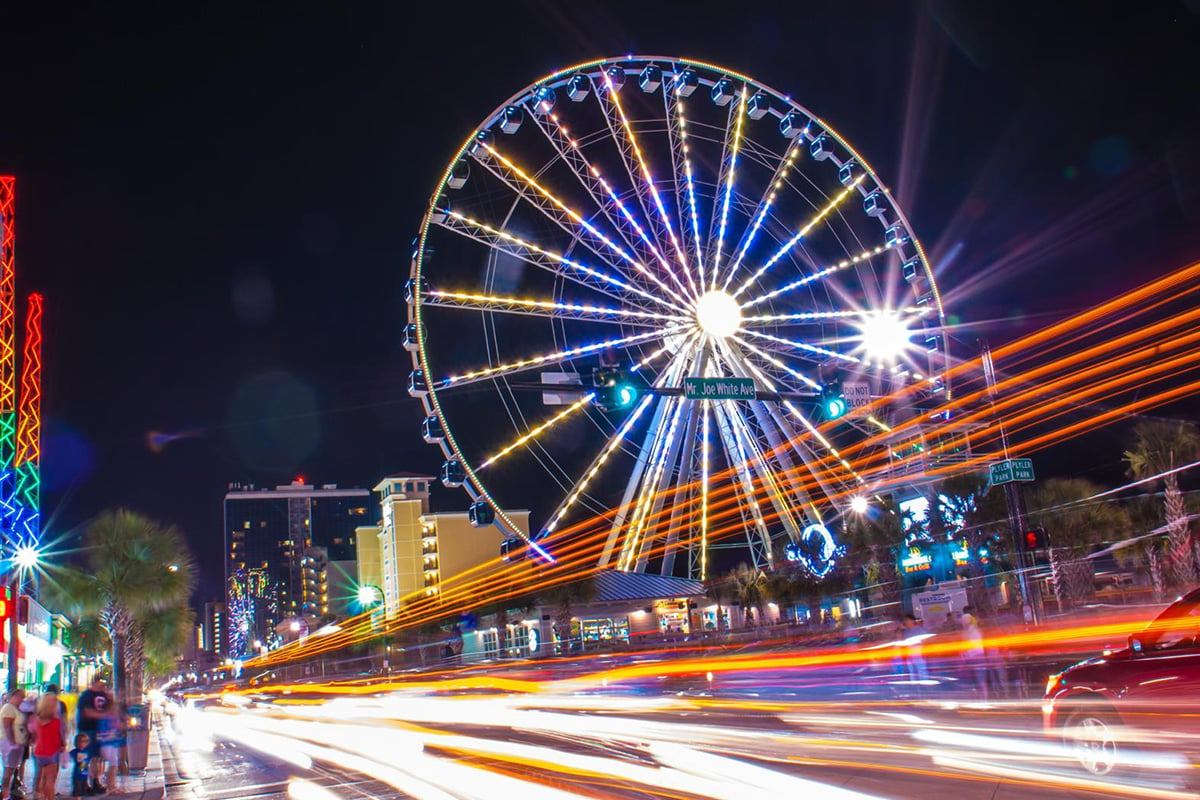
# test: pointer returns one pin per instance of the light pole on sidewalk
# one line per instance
(24, 560)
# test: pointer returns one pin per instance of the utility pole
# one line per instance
(1015, 500)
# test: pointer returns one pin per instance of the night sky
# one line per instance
(219, 205)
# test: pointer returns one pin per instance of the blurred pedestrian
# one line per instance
(48, 745)
(111, 738)
(16, 734)
(914, 659)
(974, 656)
(92, 705)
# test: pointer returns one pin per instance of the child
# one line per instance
(80, 761)
(48, 745)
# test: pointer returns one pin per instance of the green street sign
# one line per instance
(1015, 469)
(718, 388)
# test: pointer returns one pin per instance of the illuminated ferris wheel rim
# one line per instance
(716, 312)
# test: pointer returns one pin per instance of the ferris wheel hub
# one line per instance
(718, 314)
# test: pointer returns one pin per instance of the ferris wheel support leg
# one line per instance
(635, 478)
(680, 476)
(758, 540)
(650, 498)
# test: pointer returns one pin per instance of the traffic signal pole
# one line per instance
(1015, 500)
(1018, 524)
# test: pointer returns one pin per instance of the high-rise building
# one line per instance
(212, 629)
(290, 554)
(416, 550)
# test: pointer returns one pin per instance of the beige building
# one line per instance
(416, 551)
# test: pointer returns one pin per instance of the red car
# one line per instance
(1129, 707)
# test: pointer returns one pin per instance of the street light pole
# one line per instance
(13, 588)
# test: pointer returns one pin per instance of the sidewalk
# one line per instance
(146, 785)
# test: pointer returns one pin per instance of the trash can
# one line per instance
(137, 738)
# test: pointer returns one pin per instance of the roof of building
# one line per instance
(613, 585)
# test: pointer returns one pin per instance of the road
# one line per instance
(843, 736)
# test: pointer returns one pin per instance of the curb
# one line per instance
(154, 786)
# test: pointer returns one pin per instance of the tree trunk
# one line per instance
(118, 664)
(1058, 580)
(1179, 539)
(1158, 577)
(135, 665)
(1081, 579)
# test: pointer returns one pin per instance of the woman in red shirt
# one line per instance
(48, 745)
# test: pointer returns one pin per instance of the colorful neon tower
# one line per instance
(20, 415)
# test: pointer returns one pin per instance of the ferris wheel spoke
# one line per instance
(549, 309)
(818, 275)
(816, 317)
(581, 487)
(640, 176)
(562, 356)
(537, 431)
(681, 162)
(765, 203)
(803, 347)
(565, 217)
(777, 364)
(571, 269)
(605, 198)
(820, 437)
(725, 182)
(804, 231)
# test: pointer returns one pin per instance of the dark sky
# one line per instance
(218, 204)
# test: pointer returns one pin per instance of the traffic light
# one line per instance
(1034, 539)
(833, 402)
(616, 391)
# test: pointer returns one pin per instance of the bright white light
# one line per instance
(718, 314)
(884, 335)
(368, 595)
(27, 556)
(858, 504)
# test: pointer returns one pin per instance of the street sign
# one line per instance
(718, 388)
(857, 394)
(1015, 469)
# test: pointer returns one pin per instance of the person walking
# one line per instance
(48, 745)
(92, 706)
(974, 655)
(16, 735)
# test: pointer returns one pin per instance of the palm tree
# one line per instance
(967, 510)
(719, 590)
(136, 571)
(1075, 524)
(749, 588)
(1145, 514)
(565, 596)
(1159, 447)
(873, 539)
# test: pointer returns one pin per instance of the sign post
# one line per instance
(857, 394)
(719, 389)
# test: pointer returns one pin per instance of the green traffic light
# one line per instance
(835, 407)
(626, 394)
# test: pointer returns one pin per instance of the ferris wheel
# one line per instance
(657, 292)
